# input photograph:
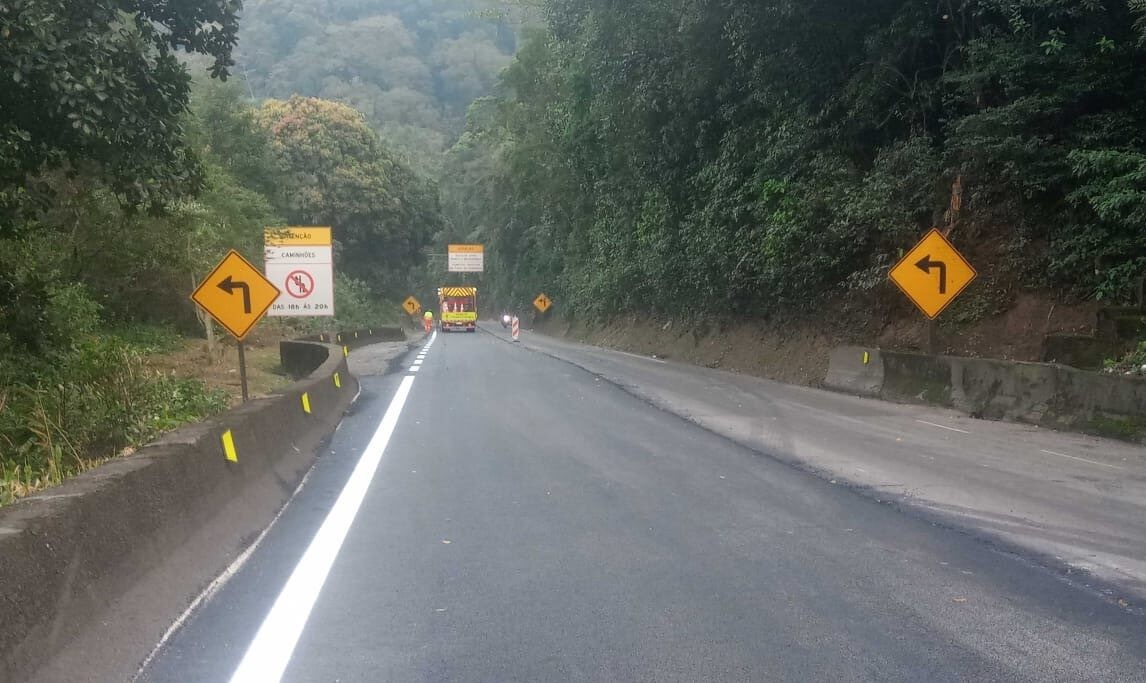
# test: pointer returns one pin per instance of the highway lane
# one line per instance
(1077, 503)
(528, 520)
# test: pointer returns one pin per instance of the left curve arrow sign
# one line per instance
(229, 286)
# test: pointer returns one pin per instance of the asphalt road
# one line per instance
(502, 515)
(1073, 502)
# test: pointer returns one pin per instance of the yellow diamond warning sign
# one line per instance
(542, 303)
(933, 274)
(411, 305)
(236, 294)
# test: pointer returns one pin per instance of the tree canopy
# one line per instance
(338, 172)
(759, 155)
(98, 84)
(411, 66)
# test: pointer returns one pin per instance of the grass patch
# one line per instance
(1124, 428)
(97, 400)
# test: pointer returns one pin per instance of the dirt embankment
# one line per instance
(219, 368)
(796, 350)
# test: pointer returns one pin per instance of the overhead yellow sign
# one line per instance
(933, 274)
(298, 237)
(236, 294)
(542, 303)
(411, 305)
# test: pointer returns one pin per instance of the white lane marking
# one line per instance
(274, 643)
(415, 368)
(1072, 457)
(637, 355)
(220, 581)
(953, 429)
(418, 361)
(231, 570)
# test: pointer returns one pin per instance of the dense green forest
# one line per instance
(687, 156)
(124, 176)
(671, 157)
(410, 66)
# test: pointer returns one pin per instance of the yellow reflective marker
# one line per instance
(306, 403)
(337, 380)
(340, 338)
(345, 351)
(322, 337)
(229, 447)
(866, 358)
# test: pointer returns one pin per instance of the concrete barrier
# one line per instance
(855, 370)
(152, 530)
(352, 338)
(1045, 394)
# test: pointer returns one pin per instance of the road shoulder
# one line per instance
(1074, 504)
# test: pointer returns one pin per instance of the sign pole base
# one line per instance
(243, 369)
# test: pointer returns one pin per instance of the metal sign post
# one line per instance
(243, 369)
(237, 296)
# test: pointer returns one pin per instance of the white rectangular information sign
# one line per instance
(300, 262)
(466, 258)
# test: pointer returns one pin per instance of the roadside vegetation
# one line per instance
(411, 67)
(747, 158)
(128, 167)
(754, 157)
(1133, 363)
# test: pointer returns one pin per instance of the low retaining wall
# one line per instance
(153, 529)
(1049, 395)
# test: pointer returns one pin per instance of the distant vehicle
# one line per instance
(457, 309)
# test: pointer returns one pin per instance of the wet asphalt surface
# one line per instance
(530, 521)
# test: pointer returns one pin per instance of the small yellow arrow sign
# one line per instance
(542, 303)
(933, 274)
(411, 305)
(236, 294)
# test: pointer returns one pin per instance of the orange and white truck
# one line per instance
(457, 309)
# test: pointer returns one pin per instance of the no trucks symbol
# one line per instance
(299, 284)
